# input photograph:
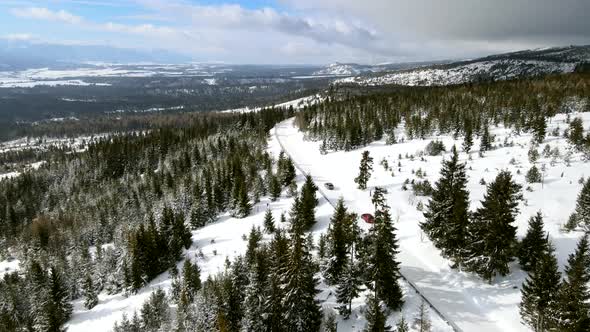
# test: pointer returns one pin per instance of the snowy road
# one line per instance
(463, 300)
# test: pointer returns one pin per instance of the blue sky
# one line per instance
(302, 31)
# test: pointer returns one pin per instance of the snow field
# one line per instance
(463, 297)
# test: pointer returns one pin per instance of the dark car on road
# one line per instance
(329, 185)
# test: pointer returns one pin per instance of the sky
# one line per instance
(303, 31)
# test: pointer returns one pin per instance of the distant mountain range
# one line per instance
(19, 55)
(352, 69)
(526, 63)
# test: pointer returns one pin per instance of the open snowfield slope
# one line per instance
(225, 239)
(464, 298)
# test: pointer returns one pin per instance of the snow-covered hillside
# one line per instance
(496, 67)
(225, 239)
(342, 69)
(467, 300)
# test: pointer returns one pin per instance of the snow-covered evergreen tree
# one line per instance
(446, 215)
(493, 243)
(365, 169)
(376, 319)
(534, 244)
(574, 294)
(538, 307)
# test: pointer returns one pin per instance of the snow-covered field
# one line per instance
(463, 297)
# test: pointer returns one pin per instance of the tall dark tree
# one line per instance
(348, 289)
(381, 266)
(301, 310)
(493, 243)
(365, 169)
(468, 138)
(447, 217)
(58, 308)
(340, 239)
(269, 222)
(376, 319)
(307, 203)
(533, 245)
(90, 292)
(486, 140)
(582, 212)
(574, 295)
(538, 307)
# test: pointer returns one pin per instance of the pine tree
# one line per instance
(191, 280)
(422, 321)
(446, 215)
(468, 139)
(539, 128)
(576, 133)
(574, 295)
(493, 235)
(382, 268)
(90, 296)
(301, 311)
(402, 326)
(486, 140)
(288, 172)
(582, 212)
(58, 309)
(254, 304)
(533, 245)
(348, 289)
(365, 169)
(538, 306)
(340, 238)
(376, 320)
(274, 188)
(307, 203)
(329, 324)
(269, 223)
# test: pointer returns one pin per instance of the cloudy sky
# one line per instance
(303, 31)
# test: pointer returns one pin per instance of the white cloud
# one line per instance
(19, 36)
(46, 14)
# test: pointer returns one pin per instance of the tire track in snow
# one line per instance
(412, 285)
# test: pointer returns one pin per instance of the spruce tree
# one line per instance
(288, 172)
(468, 139)
(339, 242)
(493, 241)
(539, 128)
(447, 217)
(402, 325)
(376, 319)
(538, 307)
(382, 268)
(486, 140)
(90, 295)
(274, 188)
(582, 212)
(574, 295)
(301, 311)
(365, 169)
(191, 280)
(58, 308)
(269, 223)
(533, 245)
(348, 289)
(307, 204)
